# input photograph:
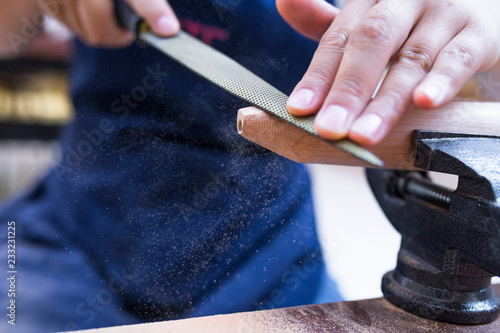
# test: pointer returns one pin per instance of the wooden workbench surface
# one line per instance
(373, 316)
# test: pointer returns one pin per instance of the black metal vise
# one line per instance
(450, 244)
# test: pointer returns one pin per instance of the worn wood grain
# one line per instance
(370, 316)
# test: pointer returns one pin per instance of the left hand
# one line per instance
(94, 22)
(432, 46)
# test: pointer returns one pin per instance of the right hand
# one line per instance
(93, 21)
(433, 47)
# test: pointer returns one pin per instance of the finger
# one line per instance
(311, 18)
(97, 27)
(312, 90)
(158, 14)
(63, 13)
(410, 65)
(455, 64)
(381, 32)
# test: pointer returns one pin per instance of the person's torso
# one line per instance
(154, 177)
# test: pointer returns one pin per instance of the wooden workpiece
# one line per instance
(287, 140)
(370, 316)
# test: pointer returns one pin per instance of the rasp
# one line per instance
(229, 75)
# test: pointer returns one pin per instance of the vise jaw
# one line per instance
(450, 245)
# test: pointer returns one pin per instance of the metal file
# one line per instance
(229, 75)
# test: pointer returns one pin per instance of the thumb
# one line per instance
(158, 14)
(311, 18)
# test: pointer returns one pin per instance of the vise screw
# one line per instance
(450, 246)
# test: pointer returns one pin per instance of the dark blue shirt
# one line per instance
(155, 181)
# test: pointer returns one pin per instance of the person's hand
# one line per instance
(432, 46)
(94, 21)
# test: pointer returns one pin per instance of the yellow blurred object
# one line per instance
(35, 98)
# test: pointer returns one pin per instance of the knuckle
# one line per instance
(374, 31)
(336, 39)
(448, 5)
(463, 55)
(351, 84)
(416, 55)
(320, 75)
(393, 102)
(440, 5)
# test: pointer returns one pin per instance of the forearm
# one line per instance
(20, 20)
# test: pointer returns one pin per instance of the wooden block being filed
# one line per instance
(295, 144)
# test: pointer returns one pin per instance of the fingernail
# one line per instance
(302, 99)
(435, 92)
(334, 119)
(367, 126)
(167, 26)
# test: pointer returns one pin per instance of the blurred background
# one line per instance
(34, 103)
(359, 243)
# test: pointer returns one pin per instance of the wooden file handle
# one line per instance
(297, 145)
